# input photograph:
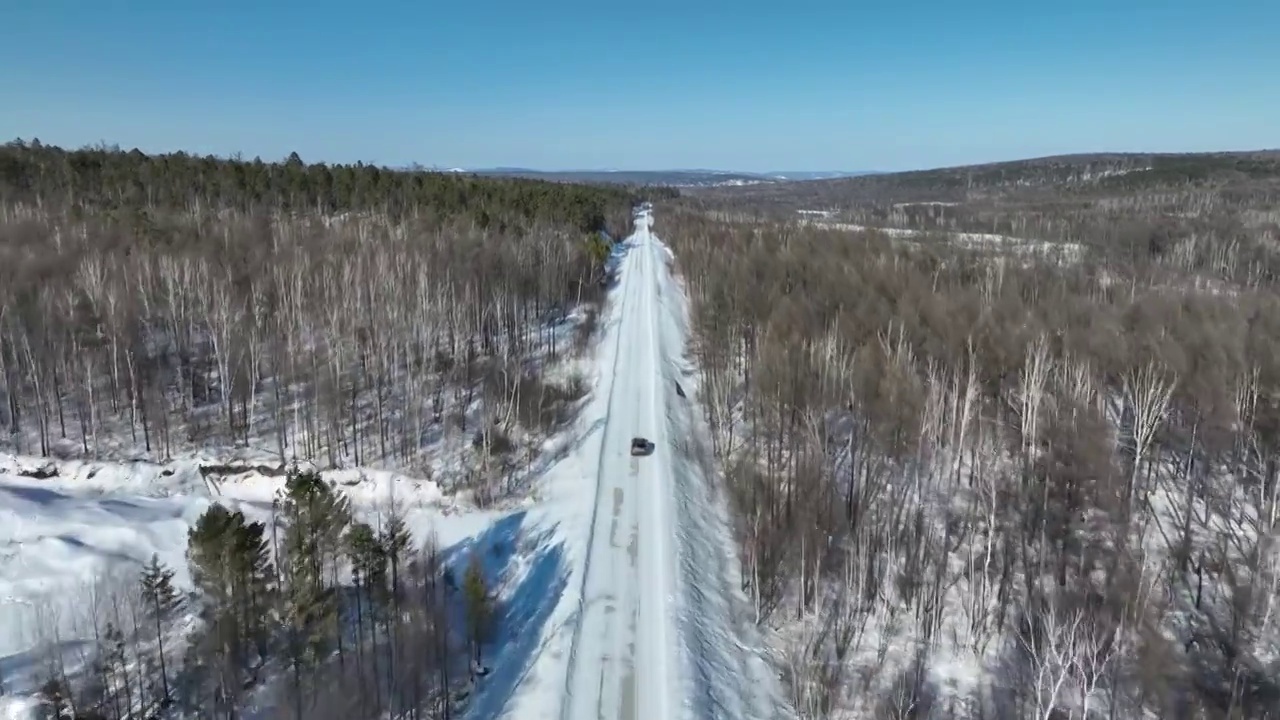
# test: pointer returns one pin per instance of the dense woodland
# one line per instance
(348, 314)
(96, 180)
(976, 485)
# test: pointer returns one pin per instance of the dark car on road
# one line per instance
(641, 446)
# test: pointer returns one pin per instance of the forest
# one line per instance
(972, 483)
(108, 180)
(154, 304)
(969, 483)
(290, 317)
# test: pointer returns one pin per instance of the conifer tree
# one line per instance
(161, 600)
(231, 566)
(111, 654)
(394, 540)
(480, 603)
(316, 517)
(369, 573)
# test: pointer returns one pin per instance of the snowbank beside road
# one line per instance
(726, 672)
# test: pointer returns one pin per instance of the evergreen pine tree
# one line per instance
(316, 517)
(231, 566)
(369, 572)
(394, 540)
(395, 548)
(161, 600)
(480, 603)
(368, 560)
(111, 653)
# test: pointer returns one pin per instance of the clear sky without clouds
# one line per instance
(748, 85)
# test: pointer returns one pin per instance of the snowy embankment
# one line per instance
(688, 557)
(725, 671)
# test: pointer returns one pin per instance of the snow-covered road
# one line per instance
(623, 657)
(657, 635)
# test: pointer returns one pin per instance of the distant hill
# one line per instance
(674, 178)
(1082, 174)
(819, 174)
(677, 178)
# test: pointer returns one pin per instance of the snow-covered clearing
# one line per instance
(64, 538)
(1065, 252)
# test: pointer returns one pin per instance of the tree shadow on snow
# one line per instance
(23, 672)
(528, 570)
(613, 262)
(575, 441)
(34, 495)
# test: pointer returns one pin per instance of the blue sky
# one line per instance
(747, 85)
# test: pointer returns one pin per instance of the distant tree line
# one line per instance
(1064, 180)
(108, 179)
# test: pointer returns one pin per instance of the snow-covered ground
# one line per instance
(619, 595)
(87, 532)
